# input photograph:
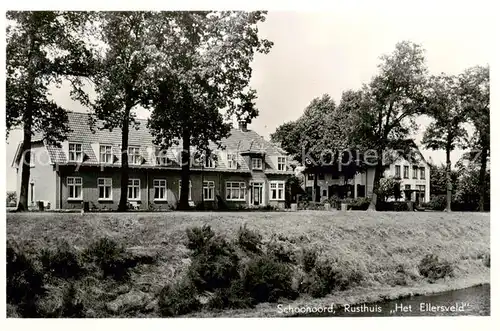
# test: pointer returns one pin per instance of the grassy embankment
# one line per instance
(375, 245)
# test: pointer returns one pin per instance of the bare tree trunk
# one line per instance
(482, 178)
(376, 182)
(185, 160)
(448, 180)
(122, 206)
(25, 159)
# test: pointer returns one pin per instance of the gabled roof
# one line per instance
(238, 141)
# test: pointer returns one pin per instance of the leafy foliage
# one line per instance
(433, 268)
(110, 257)
(267, 280)
(214, 261)
(43, 47)
(25, 284)
(178, 299)
(208, 56)
(383, 118)
(249, 240)
(62, 262)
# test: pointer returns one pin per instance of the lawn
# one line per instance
(375, 243)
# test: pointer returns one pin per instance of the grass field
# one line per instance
(374, 243)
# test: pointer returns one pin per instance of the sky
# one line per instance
(332, 51)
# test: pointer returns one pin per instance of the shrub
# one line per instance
(392, 206)
(210, 271)
(233, 297)
(198, 238)
(359, 204)
(111, 257)
(25, 284)
(178, 299)
(432, 268)
(280, 251)
(62, 262)
(214, 260)
(249, 240)
(309, 257)
(325, 278)
(266, 279)
(437, 202)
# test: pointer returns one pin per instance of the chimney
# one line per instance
(242, 125)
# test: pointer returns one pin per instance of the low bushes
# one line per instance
(51, 283)
(25, 284)
(432, 268)
(178, 299)
(249, 240)
(62, 262)
(266, 279)
(392, 206)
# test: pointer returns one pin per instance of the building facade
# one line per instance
(248, 171)
(414, 179)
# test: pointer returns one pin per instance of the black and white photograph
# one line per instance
(215, 163)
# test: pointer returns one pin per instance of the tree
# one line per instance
(125, 66)
(207, 71)
(446, 131)
(43, 47)
(389, 187)
(475, 93)
(438, 179)
(305, 139)
(391, 100)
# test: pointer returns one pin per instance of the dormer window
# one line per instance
(75, 152)
(161, 157)
(231, 161)
(281, 163)
(106, 154)
(209, 161)
(257, 163)
(134, 155)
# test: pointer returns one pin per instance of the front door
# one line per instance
(256, 194)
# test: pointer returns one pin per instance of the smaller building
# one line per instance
(414, 176)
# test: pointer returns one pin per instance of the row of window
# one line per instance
(134, 157)
(406, 172)
(235, 191)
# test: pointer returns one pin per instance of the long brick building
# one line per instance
(248, 171)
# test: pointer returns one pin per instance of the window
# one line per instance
(189, 192)
(321, 176)
(134, 189)
(134, 155)
(235, 191)
(105, 188)
(324, 193)
(75, 152)
(209, 161)
(281, 163)
(398, 171)
(161, 157)
(74, 188)
(277, 190)
(406, 173)
(422, 173)
(257, 163)
(415, 172)
(310, 176)
(106, 155)
(208, 190)
(231, 161)
(160, 187)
